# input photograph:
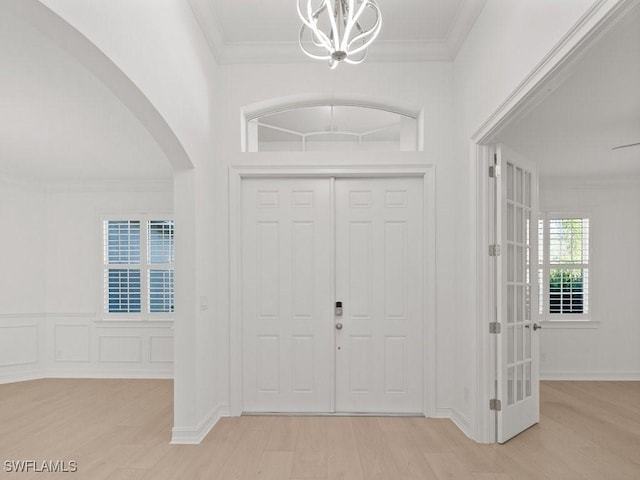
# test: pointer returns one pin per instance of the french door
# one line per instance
(517, 294)
(309, 245)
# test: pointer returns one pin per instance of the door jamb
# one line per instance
(544, 78)
(237, 174)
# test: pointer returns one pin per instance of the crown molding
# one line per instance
(600, 182)
(226, 53)
(465, 18)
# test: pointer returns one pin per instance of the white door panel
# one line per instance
(379, 362)
(518, 343)
(286, 289)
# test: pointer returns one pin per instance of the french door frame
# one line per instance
(240, 173)
(544, 78)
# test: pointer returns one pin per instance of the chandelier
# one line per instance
(338, 30)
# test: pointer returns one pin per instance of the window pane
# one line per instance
(160, 237)
(567, 291)
(568, 240)
(160, 291)
(274, 140)
(123, 291)
(332, 128)
(122, 242)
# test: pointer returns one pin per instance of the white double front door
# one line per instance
(306, 245)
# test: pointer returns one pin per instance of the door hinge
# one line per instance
(495, 404)
(494, 327)
(494, 250)
(494, 171)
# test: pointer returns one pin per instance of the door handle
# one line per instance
(338, 326)
(536, 327)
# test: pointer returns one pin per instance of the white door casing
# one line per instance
(287, 295)
(518, 362)
(379, 258)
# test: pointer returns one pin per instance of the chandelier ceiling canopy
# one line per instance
(338, 30)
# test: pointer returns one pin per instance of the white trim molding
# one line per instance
(460, 420)
(195, 435)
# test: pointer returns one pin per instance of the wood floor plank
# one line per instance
(376, 460)
(447, 466)
(283, 438)
(407, 456)
(343, 461)
(310, 455)
(274, 465)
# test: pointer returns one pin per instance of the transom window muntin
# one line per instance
(138, 281)
(563, 272)
(332, 127)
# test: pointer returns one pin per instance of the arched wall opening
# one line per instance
(181, 200)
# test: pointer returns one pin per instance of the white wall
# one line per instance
(422, 85)
(50, 300)
(22, 283)
(609, 350)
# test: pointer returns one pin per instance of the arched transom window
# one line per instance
(332, 128)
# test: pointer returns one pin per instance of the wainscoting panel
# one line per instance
(21, 346)
(124, 349)
(161, 349)
(72, 343)
(80, 345)
(18, 345)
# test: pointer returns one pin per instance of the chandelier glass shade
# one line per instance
(338, 30)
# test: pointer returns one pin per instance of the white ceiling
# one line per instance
(59, 123)
(258, 30)
(597, 107)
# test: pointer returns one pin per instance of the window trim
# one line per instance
(145, 316)
(563, 320)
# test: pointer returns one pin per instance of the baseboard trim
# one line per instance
(195, 435)
(111, 375)
(21, 377)
(461, 421)
(39, 375)
(591, 376)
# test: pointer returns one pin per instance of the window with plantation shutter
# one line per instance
(138, 267)
(564, 270)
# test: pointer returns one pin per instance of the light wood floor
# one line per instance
(119, 429)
